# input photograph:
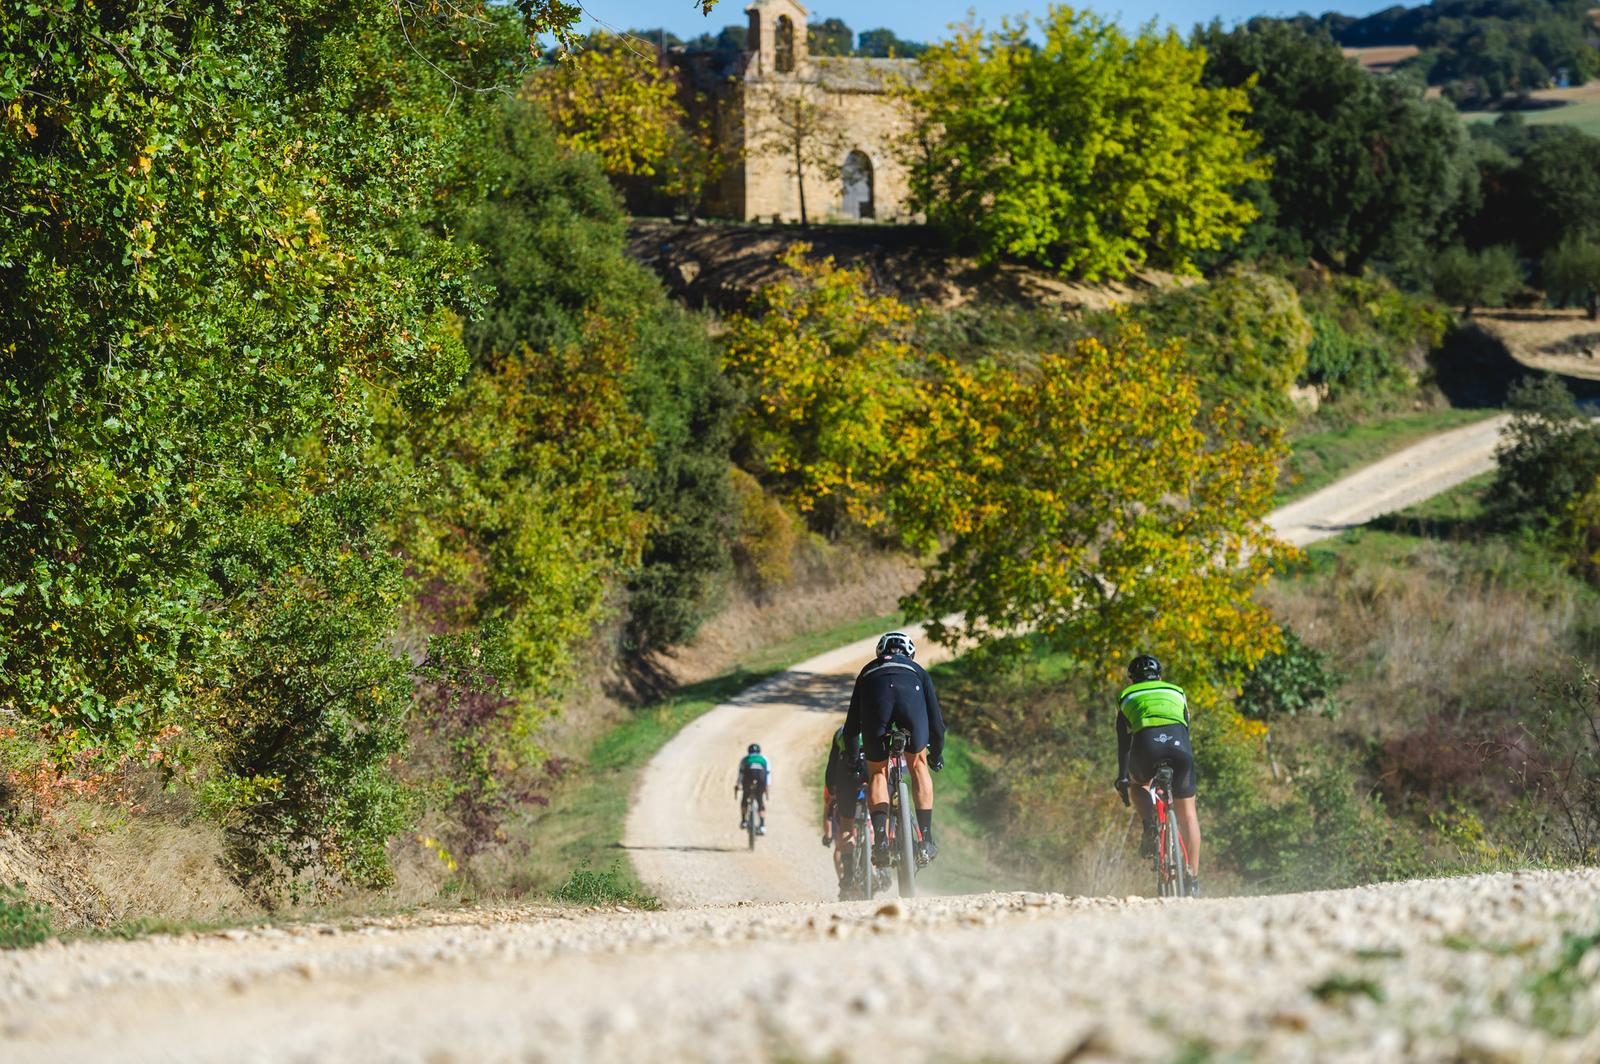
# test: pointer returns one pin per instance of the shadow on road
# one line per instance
(808, 690)
(683, 849)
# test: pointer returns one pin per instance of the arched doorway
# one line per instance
(783, 41)
(856, 174)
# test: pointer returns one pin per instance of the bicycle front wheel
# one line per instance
(907, 843)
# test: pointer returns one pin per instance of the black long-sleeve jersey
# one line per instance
(894, 687)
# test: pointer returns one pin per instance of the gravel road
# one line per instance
(1407, 477)
(683, 829)
(1445, 970)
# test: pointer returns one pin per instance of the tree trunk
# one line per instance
(1593, 303)
(800, 180)
(1272, 758)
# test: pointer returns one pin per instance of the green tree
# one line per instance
(618, 102)
(1364, 169)
(553, 235)
(1549, 457)
(885, 44)
(829, 37)
(1471, 279)
(1091, 153)
(1572, 273)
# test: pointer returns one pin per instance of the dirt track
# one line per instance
(1407, 477)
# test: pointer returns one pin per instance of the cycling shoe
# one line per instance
(928, 851)
(881, 855)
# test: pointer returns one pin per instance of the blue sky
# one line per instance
(926, 19)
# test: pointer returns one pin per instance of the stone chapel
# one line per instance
(852, 96)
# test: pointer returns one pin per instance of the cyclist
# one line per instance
(755, 778)
(1153, 728)
(893, 688)
(841, 781)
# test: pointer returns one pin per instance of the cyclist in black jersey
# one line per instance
(841, 781)
(893, 688)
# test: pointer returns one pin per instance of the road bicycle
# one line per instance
(860, 877)
(904, 837)
(752, 814)
(1171, 857)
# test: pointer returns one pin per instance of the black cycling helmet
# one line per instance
(896, 643)
(1144, 667)
(755, 748)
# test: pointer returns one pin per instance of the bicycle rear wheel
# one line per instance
(861, 864)
(1177, 873)
(906, 843)
(750, 821)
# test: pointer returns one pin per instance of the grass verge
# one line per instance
(1320, 458)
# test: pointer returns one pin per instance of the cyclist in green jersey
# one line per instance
(1153, 728)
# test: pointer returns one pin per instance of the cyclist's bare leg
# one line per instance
(1189, 829)
(1142, 802)
(877, 785)
(921, 780)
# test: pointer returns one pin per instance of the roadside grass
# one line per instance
(579, 836)
(1322, 457)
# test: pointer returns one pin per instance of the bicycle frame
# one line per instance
(1169, 879)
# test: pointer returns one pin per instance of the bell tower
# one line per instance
(777, 38)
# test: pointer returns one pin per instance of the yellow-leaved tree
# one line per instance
(831, 386)
(1088, 500)
(1086, 503)
(613, 99)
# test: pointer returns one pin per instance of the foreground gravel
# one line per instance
(1461, 969)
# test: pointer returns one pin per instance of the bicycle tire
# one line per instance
(861, 857)
(750, 822)
(1174, 856)
(907, 843)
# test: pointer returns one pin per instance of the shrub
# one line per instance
(1582, 528)
(1563, 772)
(1246, 337)
(1548, 459)
(23, 923)
(585, 886)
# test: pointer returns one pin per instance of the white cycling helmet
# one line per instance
(896, 643)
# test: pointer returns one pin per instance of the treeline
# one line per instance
(333, 420)
(830, 37)
(1480, 50)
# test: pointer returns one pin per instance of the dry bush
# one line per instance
(1452, 632)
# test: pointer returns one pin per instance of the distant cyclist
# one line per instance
(1153, 728)
(841, 782)
(893, 688)
(755, 778)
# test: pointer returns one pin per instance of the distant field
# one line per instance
(1382, 59)
(1579, 108)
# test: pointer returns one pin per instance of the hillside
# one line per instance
(720, 265)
